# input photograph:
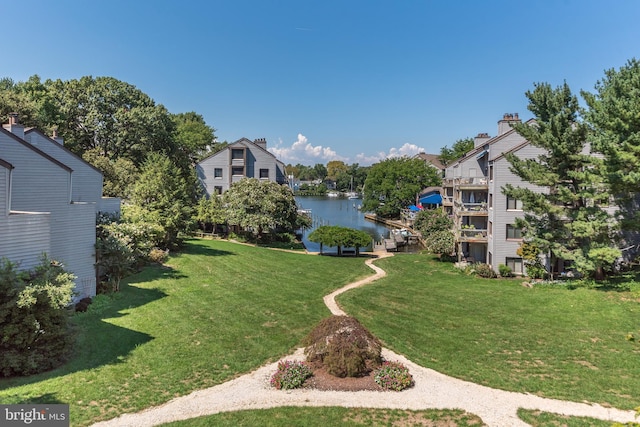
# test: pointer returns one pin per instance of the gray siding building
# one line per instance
(49, 199)
(484, 218)
(241, 159)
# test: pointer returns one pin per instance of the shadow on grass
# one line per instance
(46, 398)
(197, 247)
(98, 341)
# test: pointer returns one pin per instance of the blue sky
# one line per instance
(325, 80)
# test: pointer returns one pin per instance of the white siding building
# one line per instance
(49, 199)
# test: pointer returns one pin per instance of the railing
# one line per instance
(472, 207)
(472, 233)
(452, 182)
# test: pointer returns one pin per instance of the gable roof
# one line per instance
(6, 164)
(243, 140)
(35, 149)
(434, 159)
(62, 147)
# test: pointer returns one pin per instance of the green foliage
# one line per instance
(613, 116)
(34, 335)
(163, 196)
(193, 135)
(260, 207)
(119, 174)
(210, 212)
(568, 221)
(393, 376)
(343, 346)
(458, 150)
(436, 229)
(334, 235)
(530, 254)
(392, 185)
(290, 374)
(505, 271)
(484, 270)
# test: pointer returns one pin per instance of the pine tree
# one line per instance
(566, 221)
(614, 115)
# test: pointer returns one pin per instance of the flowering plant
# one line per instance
(393, 376)
(290, 374)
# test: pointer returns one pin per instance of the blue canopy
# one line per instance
(431, 199)
(414, 208)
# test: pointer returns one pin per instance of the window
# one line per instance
(491, 201)
(514, 204)
(491, 173)
(237, 171)
(490, 229)
(515, 264)
(217, 173)
(237, 154)
(513, 232)
(264, 173)
(217, 189)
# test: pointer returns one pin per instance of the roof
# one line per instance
(35, 149)
(62, 147)
(243, 140)
(434, 159)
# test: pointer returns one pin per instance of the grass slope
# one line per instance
(554, 342)
(216, 311)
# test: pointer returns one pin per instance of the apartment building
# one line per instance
(484, 218)
(241, 159)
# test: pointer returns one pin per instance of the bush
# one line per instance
(393, 376)
(290, 375)
(485, 270)
(505, 271)
(343, 346)
(158, 256)
(34, 335)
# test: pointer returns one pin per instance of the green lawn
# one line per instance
(333, 416)
(221, 309)
(549, 341)
(218, 311)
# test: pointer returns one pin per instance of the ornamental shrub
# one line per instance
(505, 271)
(34, 335)
(343, 346)
(290, 374)
(393, 376)
(485, 270)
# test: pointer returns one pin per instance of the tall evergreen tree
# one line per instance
(614, 116)
(566, 222)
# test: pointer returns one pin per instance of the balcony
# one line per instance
(471, 209)
(472, 235)
(467, 183)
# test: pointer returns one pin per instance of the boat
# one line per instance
(352, 194)
(332, 194)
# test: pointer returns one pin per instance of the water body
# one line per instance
(337, 211)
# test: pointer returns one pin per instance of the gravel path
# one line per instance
(432, 390)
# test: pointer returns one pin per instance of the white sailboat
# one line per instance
(352, 194)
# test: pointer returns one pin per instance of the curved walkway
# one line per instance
(432, 390)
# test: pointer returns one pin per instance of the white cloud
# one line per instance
(408, 150)
(301, 151)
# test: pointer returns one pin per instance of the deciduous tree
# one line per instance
(394, 183)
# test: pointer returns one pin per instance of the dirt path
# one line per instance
(432, 390)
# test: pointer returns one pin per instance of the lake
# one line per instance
(337, 211)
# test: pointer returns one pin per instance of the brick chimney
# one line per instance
(508, 120)
(13, 126)
(56, 138)
(480, 139)
(261, 142)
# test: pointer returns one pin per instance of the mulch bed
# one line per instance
(322, 380)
